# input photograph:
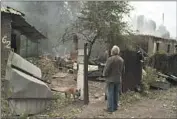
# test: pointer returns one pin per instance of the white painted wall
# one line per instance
(80, 75)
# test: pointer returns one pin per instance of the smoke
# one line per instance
(148, 26)
(50, 18)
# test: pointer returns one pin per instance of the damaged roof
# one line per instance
(156, 37)
(19, 23)
(10, 10)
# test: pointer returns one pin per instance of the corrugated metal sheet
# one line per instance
(10, 10)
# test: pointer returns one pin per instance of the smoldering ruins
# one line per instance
(51, 47)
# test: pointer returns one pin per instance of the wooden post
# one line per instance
(86, 94)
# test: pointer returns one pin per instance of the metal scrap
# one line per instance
(170, 78)
(163, 85)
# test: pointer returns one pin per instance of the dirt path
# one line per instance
(158, 104)
(161, 104)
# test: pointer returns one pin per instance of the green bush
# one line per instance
(151, 75)
(161, 52)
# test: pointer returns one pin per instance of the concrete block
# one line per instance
(25, 86)
(28, 95)
(28, 106)
(20, 62)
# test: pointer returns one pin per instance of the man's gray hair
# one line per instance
(115, 50)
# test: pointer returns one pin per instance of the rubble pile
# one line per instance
(64, 62)
(46, 65)
(50, 66)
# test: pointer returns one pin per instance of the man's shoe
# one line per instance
(105, 97)
(109, 112)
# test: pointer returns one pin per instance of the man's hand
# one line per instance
(107, 67)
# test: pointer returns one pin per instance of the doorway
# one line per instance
(14, 42)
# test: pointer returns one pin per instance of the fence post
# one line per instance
(86, 94)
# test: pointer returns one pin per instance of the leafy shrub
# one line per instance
(151, 75)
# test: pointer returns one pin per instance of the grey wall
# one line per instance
(5, 31)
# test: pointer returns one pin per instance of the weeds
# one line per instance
(23, 116)
(5, 92)
(130, 97)
(60, 108)
(150, 77)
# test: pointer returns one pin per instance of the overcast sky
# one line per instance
(154, 10)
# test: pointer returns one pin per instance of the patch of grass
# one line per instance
(23, 116)
(130, 97)
(62, 108)
(161, 52)
(5, 107)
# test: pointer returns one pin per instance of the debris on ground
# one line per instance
(60, 75)
(68, 78)
(172, 79)
(64, 62)
(96, 95)
(137, 106)
(71, 71)
(164, 85)
(46, 65)
(94, 74)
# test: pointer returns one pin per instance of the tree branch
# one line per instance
(91, 44)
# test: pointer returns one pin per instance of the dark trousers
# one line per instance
(112, 94)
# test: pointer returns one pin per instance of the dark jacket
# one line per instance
(114, 69)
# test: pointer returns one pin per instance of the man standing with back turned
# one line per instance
(113, 72)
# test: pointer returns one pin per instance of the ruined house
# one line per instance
(98, 48)
(34, 95)
(18, 34)
(153, 44)
(149, 44)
